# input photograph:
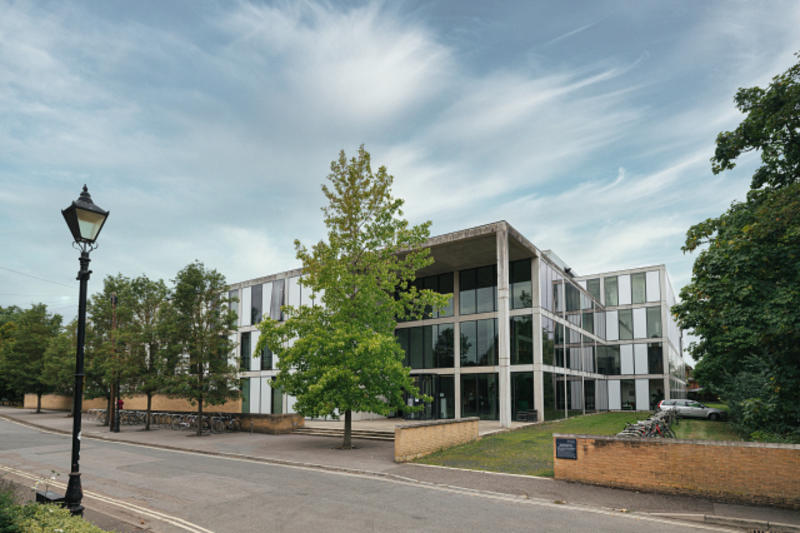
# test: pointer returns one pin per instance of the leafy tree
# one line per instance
(745, 291)
(772, 126)
(153, 350)
(23, 363)
(202, 323)
(58, 371)
(342, 356)
(8, 326)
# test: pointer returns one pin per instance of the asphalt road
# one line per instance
(178, 491)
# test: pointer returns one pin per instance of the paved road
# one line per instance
(230, 495)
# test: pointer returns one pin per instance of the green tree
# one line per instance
(744, 295)
(153, 349)
(23, 363)
(58, 371)
(342, 356)
(8, 326)
(202, 323)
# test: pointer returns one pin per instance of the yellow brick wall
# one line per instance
(746, 472)
(137, 402)
(415, 440)
(272, 424)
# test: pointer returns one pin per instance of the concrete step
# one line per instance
(339, 433)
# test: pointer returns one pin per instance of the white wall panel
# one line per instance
(653, 286)
(626, 358)
(624, 287)
(614, 396)
(290, 401)
(254, 393)
(266, 395)
(305, 296)
(640, 358)
(266, 299)
(612, 326)
(245, 295)
(293, 292)
(640, 323)
(255, 362)
(642, 395)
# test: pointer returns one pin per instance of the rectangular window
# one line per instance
(548, 341)
(255, 304)
(467, 280)
(656, 392)
(416, 348)
(244, 352)
(521, 394)
(521, 340)
(628, 394)
(612, 295)
(244, 388)
(445, 286)
(625, 324)
(486, 295)
(573, 297)
(443, 347)
(550, 388)
(479, 396)
(654, 322)
(608, 360)
(655, 359)
(520, 284)
(277, 401)
(588, 322)
(593, 286)
(638, 288)
(479, 342)
(266, 358)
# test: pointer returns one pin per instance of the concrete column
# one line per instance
(538, 377)
(456, 348)
(503, 333)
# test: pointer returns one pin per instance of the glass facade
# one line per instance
(612, 294)
(521, 340)
(244, 352)
(255, 304)
(520, 284)
(625, 324)
(654, 322)
(441, 389)
(427, 346)
(521, 393)
(479, 396)
(478, 290)
(479, 342)
(441, 283)
(638, 288)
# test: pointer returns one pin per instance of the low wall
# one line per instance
(422, 438)
(760, 473)
(272, 424)
(136, 402)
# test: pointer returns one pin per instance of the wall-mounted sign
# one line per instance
(566, 449)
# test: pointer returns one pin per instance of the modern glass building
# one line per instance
(523, 335)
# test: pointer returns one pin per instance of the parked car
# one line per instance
(691, 409)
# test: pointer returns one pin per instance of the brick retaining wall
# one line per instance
(136, 402)
(422, 438)
(760, 473)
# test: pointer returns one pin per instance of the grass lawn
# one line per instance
(697, 429)
(528, 450)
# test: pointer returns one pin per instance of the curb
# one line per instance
(744, 523)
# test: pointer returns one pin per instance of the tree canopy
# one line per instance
(744, 295)
(341, 355)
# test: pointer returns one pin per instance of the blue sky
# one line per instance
(207, 128)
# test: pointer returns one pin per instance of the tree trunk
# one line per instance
(200, 417)
(38, 402)
(147, 413)
(108, 410)
(112, 403)
(348, 424)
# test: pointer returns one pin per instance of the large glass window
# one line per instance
(655, 358)
(548, 341)
(625, 324)
(520, 284)
(478, 290)
(277, 300)
(479, 342)
(427, 346)
(654, 322)
(266, 358)
(628, 394)
(573, 297)
(638, 288)
(277, 401)
(593, 286)
(521, 340)
(244, 352)
(441, 283)
(612, 294)
(608, 361)
(588, 322)
(479, 396)
(589, 394)
(521, 393)
(551, 383)
(656, 392)
(255, 304)
(244, 388)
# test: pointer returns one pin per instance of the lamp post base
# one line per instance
(74, 495)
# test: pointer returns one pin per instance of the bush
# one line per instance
(34, 517)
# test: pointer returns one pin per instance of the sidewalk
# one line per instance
(377, 458)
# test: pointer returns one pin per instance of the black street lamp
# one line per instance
(85, 220)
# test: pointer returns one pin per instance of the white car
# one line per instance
(691, 409)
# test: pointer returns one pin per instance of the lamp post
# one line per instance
(85, 220)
